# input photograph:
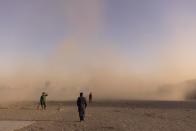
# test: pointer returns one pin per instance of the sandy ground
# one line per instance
(105, 116)
(13, 125)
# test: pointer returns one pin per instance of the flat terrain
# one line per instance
(105, 116)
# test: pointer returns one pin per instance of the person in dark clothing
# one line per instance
(82, 104)
(43, 100)
(90, 98)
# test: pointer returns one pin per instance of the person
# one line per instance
(90, 97)
(82, 104)
(43, 100)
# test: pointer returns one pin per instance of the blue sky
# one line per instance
(35, 26)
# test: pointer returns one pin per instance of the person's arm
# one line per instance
(78, 102)
(85, 102)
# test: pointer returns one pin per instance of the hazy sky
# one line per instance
(146, 38)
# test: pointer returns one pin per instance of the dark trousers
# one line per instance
(81, 114)
(43, 105)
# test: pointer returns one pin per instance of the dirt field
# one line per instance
(105, 116)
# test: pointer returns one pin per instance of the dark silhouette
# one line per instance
(81, 103)
(43, 100)
(90, 97)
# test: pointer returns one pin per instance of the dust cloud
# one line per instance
(74, 68)
(87, 61)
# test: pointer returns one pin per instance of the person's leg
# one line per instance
(80, 115)
(44, 105)
(81, 118)
(83, 115)
(90, 100)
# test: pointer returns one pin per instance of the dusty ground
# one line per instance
(106, 116)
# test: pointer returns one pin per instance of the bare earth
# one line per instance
(105, 116)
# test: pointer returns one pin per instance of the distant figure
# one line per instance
(90, 97)
(81, 103)
(43, 100)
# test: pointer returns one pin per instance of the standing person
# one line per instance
(81, 103)
(43, 100)
(90, 97)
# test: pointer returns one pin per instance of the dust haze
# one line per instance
(86, 61)
(74, 68)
